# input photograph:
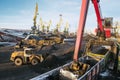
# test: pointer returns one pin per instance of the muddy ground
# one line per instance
(62, 53)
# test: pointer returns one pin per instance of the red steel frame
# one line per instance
(83, 15)
(99, 18)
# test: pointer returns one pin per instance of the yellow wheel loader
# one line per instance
(26, 56)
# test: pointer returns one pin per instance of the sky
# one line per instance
(18, 14)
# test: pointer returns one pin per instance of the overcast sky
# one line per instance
(18, 14)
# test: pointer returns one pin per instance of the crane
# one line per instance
(41, 25)
(83, 15)
(49, 24)
(34, 28)
(66, 32)
(35, 14)
(56, 31)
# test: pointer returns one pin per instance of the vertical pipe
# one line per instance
(82, 20)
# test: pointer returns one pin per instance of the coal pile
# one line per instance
(58, 55)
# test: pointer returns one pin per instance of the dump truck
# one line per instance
(28, 55)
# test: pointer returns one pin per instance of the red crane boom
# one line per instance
(83, 16)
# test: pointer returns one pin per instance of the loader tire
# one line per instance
(34, 61)
(18, 62)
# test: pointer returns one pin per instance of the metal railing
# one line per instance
(93, 73)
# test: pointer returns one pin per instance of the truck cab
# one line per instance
(28, 55)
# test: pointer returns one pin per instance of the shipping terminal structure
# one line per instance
(90, 64)
(41, 54)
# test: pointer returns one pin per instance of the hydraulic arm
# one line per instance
(83, 15)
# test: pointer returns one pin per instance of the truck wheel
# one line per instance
(18, 61)
(34, 61)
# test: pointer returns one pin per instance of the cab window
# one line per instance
(29, 51)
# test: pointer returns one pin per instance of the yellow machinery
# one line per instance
(66, 29)
(36, 41)
(42, 26)
(34, 28)
(45, 26)
(57, 29)
(35, 14)
(28, 55)
(48, 26)
(33, 40)
(77, 69)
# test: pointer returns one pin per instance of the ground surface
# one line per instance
(8, 71)
(63, 54)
